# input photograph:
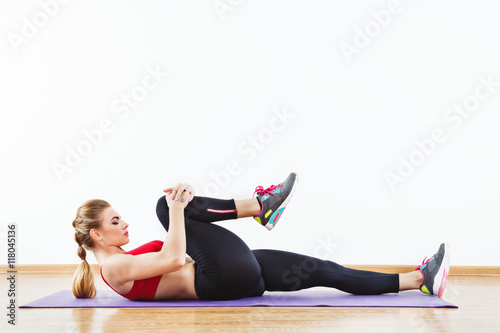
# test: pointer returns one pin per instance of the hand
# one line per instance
(181, 194)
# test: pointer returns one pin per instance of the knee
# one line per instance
(162, 210)
(162, 203)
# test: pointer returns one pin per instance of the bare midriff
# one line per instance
(178, 284)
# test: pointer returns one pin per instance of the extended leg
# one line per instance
(287, 271)
(412, 280)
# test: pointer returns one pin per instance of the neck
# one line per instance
(102, 254)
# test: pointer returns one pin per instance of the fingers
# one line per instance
(175, 191)
(184, 196)
(181, 192)
(172, 203)
(190, 193)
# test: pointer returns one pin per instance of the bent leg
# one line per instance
(201, 209)
(225, 267)
(288, 271)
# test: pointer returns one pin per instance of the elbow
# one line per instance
(181, 261)
(178, 263)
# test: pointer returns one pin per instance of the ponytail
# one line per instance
(88, 217)
(83, 279)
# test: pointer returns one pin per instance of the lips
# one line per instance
(126, 234)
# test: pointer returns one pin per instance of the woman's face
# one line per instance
(113, 230)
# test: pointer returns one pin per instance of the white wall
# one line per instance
(227, 69)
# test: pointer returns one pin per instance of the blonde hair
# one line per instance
(88, 217)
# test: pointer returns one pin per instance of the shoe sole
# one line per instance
(442, 274)
(283, 205)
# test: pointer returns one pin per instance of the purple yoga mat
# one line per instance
(305, 298)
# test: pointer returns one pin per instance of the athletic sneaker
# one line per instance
(435, 271)
(273, 200)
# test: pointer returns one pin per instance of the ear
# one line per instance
(94, 234)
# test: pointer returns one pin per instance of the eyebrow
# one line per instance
(115, 217)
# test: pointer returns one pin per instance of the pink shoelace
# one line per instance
(424, 262)
(269, 190)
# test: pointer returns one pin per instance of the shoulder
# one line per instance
(110, 266)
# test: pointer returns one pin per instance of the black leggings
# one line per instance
(227, 269)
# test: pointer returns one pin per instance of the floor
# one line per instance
(477, 297)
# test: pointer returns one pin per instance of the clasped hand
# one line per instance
(179, 196)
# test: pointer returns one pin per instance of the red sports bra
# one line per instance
(143, 290)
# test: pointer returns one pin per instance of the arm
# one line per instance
(174, 248)
(171, 257)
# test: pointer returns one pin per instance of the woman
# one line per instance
(221, 266)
